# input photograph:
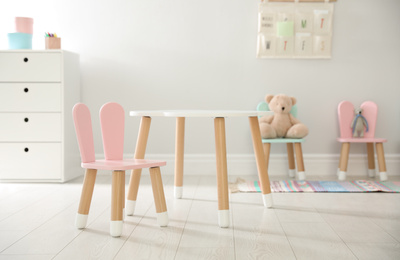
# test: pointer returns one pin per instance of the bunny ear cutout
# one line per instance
(346, 115)
(370, 112)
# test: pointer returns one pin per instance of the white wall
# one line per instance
(181, 54)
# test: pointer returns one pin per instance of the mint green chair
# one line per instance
(263, 106)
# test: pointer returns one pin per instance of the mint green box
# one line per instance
(285, 28)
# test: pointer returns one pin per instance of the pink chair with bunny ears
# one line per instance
(346, 116)
(112, 120)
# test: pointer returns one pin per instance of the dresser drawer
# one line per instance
(30, 161)
(30, 97)
(30, 67)
(30, 127)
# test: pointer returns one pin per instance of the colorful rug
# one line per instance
(318, 186)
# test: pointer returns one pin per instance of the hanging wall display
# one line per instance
(295, 30)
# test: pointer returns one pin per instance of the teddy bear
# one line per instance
(282, 124)
(358, 123)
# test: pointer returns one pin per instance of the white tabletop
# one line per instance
(200, 113)
(150, 113)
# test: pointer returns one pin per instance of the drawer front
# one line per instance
(30, 97)
(30, 67)
(30, 127)
(29, 161)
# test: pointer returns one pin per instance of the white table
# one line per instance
(220, 145)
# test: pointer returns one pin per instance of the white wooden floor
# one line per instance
(37, 222)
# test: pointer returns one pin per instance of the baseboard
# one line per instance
(244, 164)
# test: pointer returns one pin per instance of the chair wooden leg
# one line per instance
(344, 159)
(300, 161)
(262, 163)
(136, 174)
(381, 162)
(86, 198)
(179, 154)
(222, 172)
(267, 151)
(117, 203)
(371, 159)
(159, 197)
(290, 153)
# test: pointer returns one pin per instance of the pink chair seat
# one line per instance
(122, 165)
(362, 140)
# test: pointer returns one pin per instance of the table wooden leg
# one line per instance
(300, 161)
(290, 155)
(371, 159)
(222, 172)
(117, 203)
(261, 162)
(344, 159)
(179, 154)
(86, 198)
(381, 161)
(136, 174)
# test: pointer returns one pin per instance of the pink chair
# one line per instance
(346, 116)
(112, 119)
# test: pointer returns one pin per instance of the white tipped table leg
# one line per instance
(140, 151)
(130, 207)
(223, 218)
(267, 199)
(81, 220)
(301, 176)
(262, 164)
(162, 219)
(178, 191)
(179, 156)
(116, 228)
(222, 172)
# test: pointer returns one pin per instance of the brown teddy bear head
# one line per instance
(280, 104)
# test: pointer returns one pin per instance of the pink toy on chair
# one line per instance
(347, 135)
(112, 119)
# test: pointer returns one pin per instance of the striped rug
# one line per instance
(318, 186)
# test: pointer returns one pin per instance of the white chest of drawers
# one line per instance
(37, 92)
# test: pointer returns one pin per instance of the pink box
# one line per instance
(24, 25)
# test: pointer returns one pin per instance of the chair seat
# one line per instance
(362, 140)
(121, 165)
(283, 140)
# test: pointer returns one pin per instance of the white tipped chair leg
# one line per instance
(292, 173)
(178, 191)
(371, 173)
(223, 218)
(116, 228)
(267, 199)
(81, 220)
(162, 219)
(130, 207)
(383, 176)
(342, 176)
(302, 176)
